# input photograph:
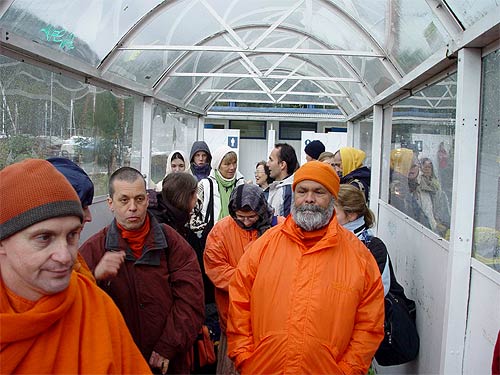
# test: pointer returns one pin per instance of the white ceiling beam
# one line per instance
(302, 93)
(284, 57)
(260, 50)
(270, 102)
(291, 74)
(273, 76)
(288, 91)
(278, 22)
(226, 26)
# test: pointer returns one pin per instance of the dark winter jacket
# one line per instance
(160, 294)
(165, 213)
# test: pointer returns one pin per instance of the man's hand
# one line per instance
(158, 361)
(109, 265)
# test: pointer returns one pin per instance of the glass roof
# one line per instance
(192, 53)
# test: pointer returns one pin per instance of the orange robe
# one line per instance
(76, 331)
(305, 303)
(225, 245)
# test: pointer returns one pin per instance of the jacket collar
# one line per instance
(155, 240)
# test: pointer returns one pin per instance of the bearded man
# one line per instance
(307, 295)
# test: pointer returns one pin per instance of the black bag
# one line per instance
(401, 342)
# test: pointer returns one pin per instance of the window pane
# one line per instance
(249, 129)
(423, 134)
(290, 130)
(171, 131)
(365, 138)
(487, 219)
(45, 114)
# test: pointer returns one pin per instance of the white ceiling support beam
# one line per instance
(260, 50)
(266, 90)
(288, 91)
(278, 22)
(446, 17)
(291, 74)
(224, 24)
(4, 5)
(274, 76)
(389, 63)
(252, 69)
(284, 57)
(132, 33)
(269, 102)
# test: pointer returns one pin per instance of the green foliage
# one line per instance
(19, 147)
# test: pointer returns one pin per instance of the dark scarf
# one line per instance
(201, 171)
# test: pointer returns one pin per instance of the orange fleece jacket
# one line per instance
(77, 331)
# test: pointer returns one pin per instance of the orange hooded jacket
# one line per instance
(223, 250)
(76, 331)
(297, 310)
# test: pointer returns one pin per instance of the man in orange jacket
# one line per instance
(306, 296)
(53, 320)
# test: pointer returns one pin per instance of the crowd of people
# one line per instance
(285, 272)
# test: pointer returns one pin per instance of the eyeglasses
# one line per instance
(251, 218)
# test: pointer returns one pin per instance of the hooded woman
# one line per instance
(214, 191)
(250, 216)
(200, 159)
(348, 163)
(176, 162)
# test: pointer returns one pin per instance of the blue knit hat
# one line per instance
(77, 177)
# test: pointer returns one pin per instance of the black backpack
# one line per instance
(401, 342)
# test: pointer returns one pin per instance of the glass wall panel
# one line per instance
(421, 157)
(85, 29)
(171, 131)
(45, 114)
(470, 11)
(415, 33)
(365, 138)
(486, 246)
(143, 67)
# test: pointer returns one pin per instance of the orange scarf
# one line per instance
(136, 238)
(76, 331)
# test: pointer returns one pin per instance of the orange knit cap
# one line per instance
(32, 191)
(322, 173)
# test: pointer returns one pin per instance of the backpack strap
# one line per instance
(274, 221)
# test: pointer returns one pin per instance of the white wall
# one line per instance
(483, 319)
(420, 262)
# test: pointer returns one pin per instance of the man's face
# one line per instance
(200, 158)
(337, 164)
(313, 205)
(274, 164)
(38, 260)
(129, 203)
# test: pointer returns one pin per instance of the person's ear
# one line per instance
(351, 216)
(110, 203)
(283, 165)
